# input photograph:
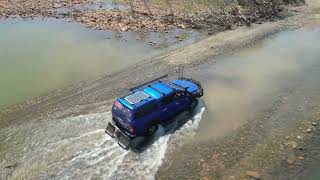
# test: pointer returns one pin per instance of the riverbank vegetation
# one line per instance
(211, 15)
(155, 15)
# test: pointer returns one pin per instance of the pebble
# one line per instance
(56, 5)
(287, 137)
(300, 158)
(253, 174)
(215, 156)
(314, 124)
(292, 144)
(290, 162)
(151, 43)
(309, 130)
(124, 28)
(205, 178)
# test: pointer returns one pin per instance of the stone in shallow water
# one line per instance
(290, 162)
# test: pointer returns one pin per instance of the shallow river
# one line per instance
(239, 86)
(37, 56)
(78, 148)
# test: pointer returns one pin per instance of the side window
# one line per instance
(146, 109)
(169, 99)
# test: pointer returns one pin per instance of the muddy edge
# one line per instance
(89, 97)
(266, 147)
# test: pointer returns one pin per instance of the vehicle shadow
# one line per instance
(141, 144)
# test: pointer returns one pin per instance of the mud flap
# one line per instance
(123, 140)
(111, 129)
(115, 132)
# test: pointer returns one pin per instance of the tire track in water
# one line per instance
(146, 164)
(77, 148)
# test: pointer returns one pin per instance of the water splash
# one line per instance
(78, 148)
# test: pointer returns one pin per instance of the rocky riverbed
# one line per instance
(35, 8)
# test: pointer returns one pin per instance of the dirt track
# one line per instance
(92, 97)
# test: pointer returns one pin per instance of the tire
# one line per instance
(193, 106)
(152, 130)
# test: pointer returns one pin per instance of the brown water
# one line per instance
(313, 172)
(246, 87)
(37, 56)
(237, 87)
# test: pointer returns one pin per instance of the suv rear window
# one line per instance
(146, 109)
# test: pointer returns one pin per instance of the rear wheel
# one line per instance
(152, 129)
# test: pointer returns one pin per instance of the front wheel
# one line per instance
(193, 105)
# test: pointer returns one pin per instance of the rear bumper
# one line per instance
(123, 139)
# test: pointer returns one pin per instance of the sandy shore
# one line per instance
(259, 148)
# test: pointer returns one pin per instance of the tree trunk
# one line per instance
(171, 11)
(131, 6)
(170, 7)
(146, 5)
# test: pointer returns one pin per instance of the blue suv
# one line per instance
(156, 102)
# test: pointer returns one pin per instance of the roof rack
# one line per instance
(154, 80)
(157, 90)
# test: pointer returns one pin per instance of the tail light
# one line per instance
(118, 104)
(133, 130)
